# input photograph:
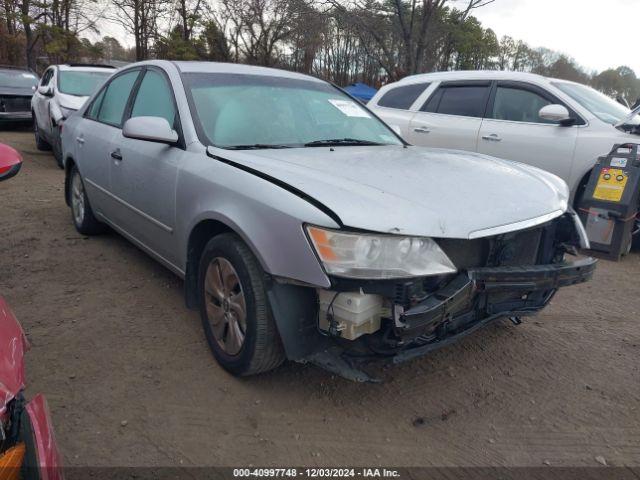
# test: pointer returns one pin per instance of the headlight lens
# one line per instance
(354, 255)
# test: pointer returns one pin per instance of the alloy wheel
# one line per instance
(77, 199)
(226, 305)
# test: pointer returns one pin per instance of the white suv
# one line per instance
(556, 125)
(62, 90)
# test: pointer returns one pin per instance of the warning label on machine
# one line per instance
(611, 184)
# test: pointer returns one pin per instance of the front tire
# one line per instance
(81, 212)
(234, 308)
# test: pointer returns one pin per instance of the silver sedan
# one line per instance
(303, 226)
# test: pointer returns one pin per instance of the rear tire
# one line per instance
(57, 149)
(81, 213)
(233, 305)
(41, 143)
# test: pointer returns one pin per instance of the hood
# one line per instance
(17, 91)
(415, 190)
(13, 344)
(71, 101)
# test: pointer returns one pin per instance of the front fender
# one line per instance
(267, 217)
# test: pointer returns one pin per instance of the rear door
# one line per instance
(144, 174)
(93, 136)
(513, 129)
(452, 115)
(394, 105)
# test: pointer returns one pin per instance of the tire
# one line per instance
(260, 348)
(81, 212)
(41, 143)
(57, 149)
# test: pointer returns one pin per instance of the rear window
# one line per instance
(402, 97)
(463, 100)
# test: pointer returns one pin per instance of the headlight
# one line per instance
(366, 256)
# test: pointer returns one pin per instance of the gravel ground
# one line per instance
(130, 380)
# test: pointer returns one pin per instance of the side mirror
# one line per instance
(47, 90)
(10, 162)
(150, 129)
(556, 113)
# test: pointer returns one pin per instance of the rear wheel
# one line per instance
(81, 212)
(57, 148)
(234, 309)
(41, 143)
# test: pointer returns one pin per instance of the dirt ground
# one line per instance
(130, 380)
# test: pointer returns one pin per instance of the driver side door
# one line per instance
(41, 103)
(144, 173)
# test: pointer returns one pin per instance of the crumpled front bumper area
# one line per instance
(468, 302)
(480, 295)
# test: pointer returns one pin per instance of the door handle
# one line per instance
(492, 138)
(421, 130)
(116, 155)
(80, 140)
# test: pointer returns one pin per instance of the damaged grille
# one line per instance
(525, 247)
(517, 248)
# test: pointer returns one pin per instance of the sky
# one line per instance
(598, 34)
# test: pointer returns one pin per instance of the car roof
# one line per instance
(474, 75)
(219, 67)
(79, 67)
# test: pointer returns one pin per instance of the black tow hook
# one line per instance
(515, 320)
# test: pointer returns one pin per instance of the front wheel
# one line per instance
(234, 309)
(81, 212)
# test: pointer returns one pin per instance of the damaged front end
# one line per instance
(508, 275)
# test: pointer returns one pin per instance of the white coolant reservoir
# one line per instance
(354, 313)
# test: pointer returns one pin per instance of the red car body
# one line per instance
(10, 162)
(27, 445)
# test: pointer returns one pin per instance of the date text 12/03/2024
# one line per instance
(305, 473)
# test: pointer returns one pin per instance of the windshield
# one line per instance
(259, 111)
(603, 107)
(17, 79)
(81, 84)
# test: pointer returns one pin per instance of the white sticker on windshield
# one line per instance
(28, 75)
(349, 108)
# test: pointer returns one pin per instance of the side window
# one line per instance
(92, 111)
(467, 101)
(402, 97)
(46, 78)
(115, 98)
(518, 105)
(154, 98)
(462, 100)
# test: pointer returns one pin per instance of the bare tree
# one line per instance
(140, 18)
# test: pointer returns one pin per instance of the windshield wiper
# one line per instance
(255, 146)
(341, 141)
